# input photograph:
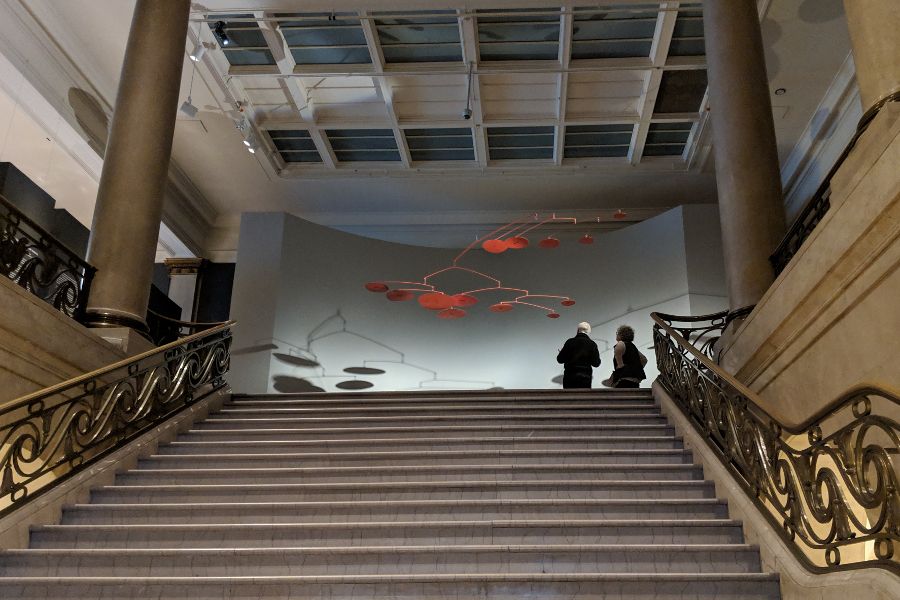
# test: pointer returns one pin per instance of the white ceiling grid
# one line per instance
(599, 69)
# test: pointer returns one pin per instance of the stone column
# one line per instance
(135, 168)
(749, 182)
(873, 28)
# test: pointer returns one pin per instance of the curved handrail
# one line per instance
(835, 498)
(49, 435)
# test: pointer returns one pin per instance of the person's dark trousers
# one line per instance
(624, 383)
(576, 382)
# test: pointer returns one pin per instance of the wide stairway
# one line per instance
(504, 495)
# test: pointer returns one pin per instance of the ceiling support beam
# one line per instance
(383, 86)
(659, 52)
(294, 89)
(566, 27)
(469, 37)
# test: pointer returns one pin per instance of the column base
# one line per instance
(128, 340)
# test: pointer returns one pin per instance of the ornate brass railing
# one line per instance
(830, 487)
(36, 261)
(52, 434)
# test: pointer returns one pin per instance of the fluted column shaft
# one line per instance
(135, 168)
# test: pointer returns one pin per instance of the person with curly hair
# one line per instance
(628, 361)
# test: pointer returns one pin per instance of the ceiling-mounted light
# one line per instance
(198, 52)
(189, 109)
(220, 32)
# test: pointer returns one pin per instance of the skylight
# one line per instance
(324, 38)
(584, 141)
(294, 146)
(667, 139)
(241, 40)
(681, 91)
(528, 143)
(687, 39)
(364, 145)
(454, 143)
(615, 31)
(519, 34)
(420, 37)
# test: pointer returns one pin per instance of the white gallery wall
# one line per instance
(304, 315)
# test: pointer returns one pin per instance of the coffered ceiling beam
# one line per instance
(469, 37)
(294, 89)
(659, 53)
(562, 84)
(383, 85)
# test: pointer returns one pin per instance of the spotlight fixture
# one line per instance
(780, 92)
(220, 32)
(189, 109)
(198, 52)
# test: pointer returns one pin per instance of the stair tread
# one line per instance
(412, 503)
(401, 484)
(429, 468)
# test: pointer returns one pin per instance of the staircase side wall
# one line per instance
(831, 320)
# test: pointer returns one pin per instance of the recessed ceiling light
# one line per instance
(780, 92)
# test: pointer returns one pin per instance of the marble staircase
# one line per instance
(531, 494)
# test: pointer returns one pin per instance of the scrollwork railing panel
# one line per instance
(33, 259)
(830, 488)
(50, 435)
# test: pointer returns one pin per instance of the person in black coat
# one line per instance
(579, 355)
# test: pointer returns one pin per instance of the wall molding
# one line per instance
(826, 135)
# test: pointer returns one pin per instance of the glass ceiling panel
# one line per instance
(511, 35)
(294, 146)
(245, 42)
(667, 139)
(615, 31)
(525, 143)
(420, 37)
(687, 40)
(584, 141)
(324, 38)
(363, 145)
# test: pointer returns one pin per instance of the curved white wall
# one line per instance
(299, 291)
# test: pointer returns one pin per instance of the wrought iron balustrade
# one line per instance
(829, 487)
(52, 434)
(36, 261)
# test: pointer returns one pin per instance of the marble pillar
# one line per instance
(135, 168)
(874, 27)
(747, 174)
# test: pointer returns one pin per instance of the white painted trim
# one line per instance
(826, 135)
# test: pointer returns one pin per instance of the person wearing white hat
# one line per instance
(579, 355)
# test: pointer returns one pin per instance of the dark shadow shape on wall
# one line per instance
(364, 371)
(354, 384)
(293, 385)
(557, 380)
(253, 349)
(91, 118)
(297, 361)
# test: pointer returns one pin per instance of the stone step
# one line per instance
(230, 421)
(445, 410)
(398, 458)
(573, 586)
(519, 397)
(394, 510)
(246, 431)
(386, 534)
(306, 561)
(388, 444)
(260, 474)
(454, 490)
